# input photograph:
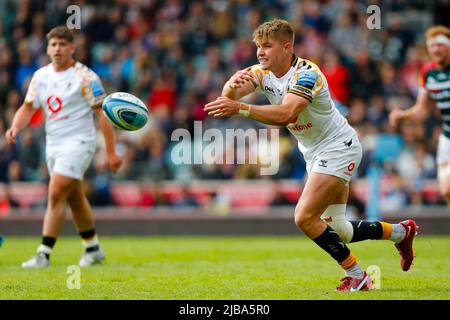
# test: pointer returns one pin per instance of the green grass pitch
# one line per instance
(256, 268)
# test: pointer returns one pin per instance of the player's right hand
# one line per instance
(395, 117)
(239, 78)
(114, 161)
(11, 135)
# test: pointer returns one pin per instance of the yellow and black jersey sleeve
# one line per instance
(307, 84)
(258, 75)
(91, 86)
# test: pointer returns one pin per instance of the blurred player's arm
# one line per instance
(114, 160)
(239, 85)
(419, 111)
(21, 119)
(23, 115)
(278, 115)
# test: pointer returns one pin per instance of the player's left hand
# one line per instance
(114, 161)
(222, 107)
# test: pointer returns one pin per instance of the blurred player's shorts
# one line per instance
(70, 162)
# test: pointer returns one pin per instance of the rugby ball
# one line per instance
(125, 111)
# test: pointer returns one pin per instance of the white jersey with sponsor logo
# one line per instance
(320, 122)
(67, 99)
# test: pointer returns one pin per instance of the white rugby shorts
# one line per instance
(339, 158)
(70, 161)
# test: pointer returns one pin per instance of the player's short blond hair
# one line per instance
(437, 30)
(60, 32)
(278, 29)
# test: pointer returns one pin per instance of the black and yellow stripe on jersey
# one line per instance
(307, 80)
(437, 83)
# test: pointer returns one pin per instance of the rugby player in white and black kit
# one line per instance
(300, 100)
(70, 94)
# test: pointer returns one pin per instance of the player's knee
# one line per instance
(303, 220)
(59, 190)
(54, 197)
(298, 221)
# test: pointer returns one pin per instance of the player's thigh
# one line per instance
(342, 197)
(320, 191)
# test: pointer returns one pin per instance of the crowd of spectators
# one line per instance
(176, 55)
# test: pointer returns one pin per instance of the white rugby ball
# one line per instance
(125, 111)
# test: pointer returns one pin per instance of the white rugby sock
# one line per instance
(91, 242)
(355, 272)
(44, 249)
(398, 233)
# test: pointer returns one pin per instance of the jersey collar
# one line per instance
(294, 60)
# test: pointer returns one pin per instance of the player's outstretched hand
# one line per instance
(114, 161)
(395, 116)
(222, 107)
(239, 78)
(11, 135)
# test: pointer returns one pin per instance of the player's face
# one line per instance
(271, 53)
(439, 52)
(60, 51)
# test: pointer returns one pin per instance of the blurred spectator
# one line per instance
(388, 146)
(337, 76)
(355, 203)
(100, 188)
(6, 203)
(29, 156)
(163, 94)
(15, 171)
(152, 196)
(279, 199)
(377, 113)
(396, 196)
(26, 66)
(7, 156)
(185, 199)
(364, 76)
(414, 166)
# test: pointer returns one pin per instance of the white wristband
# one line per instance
(245, 113)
